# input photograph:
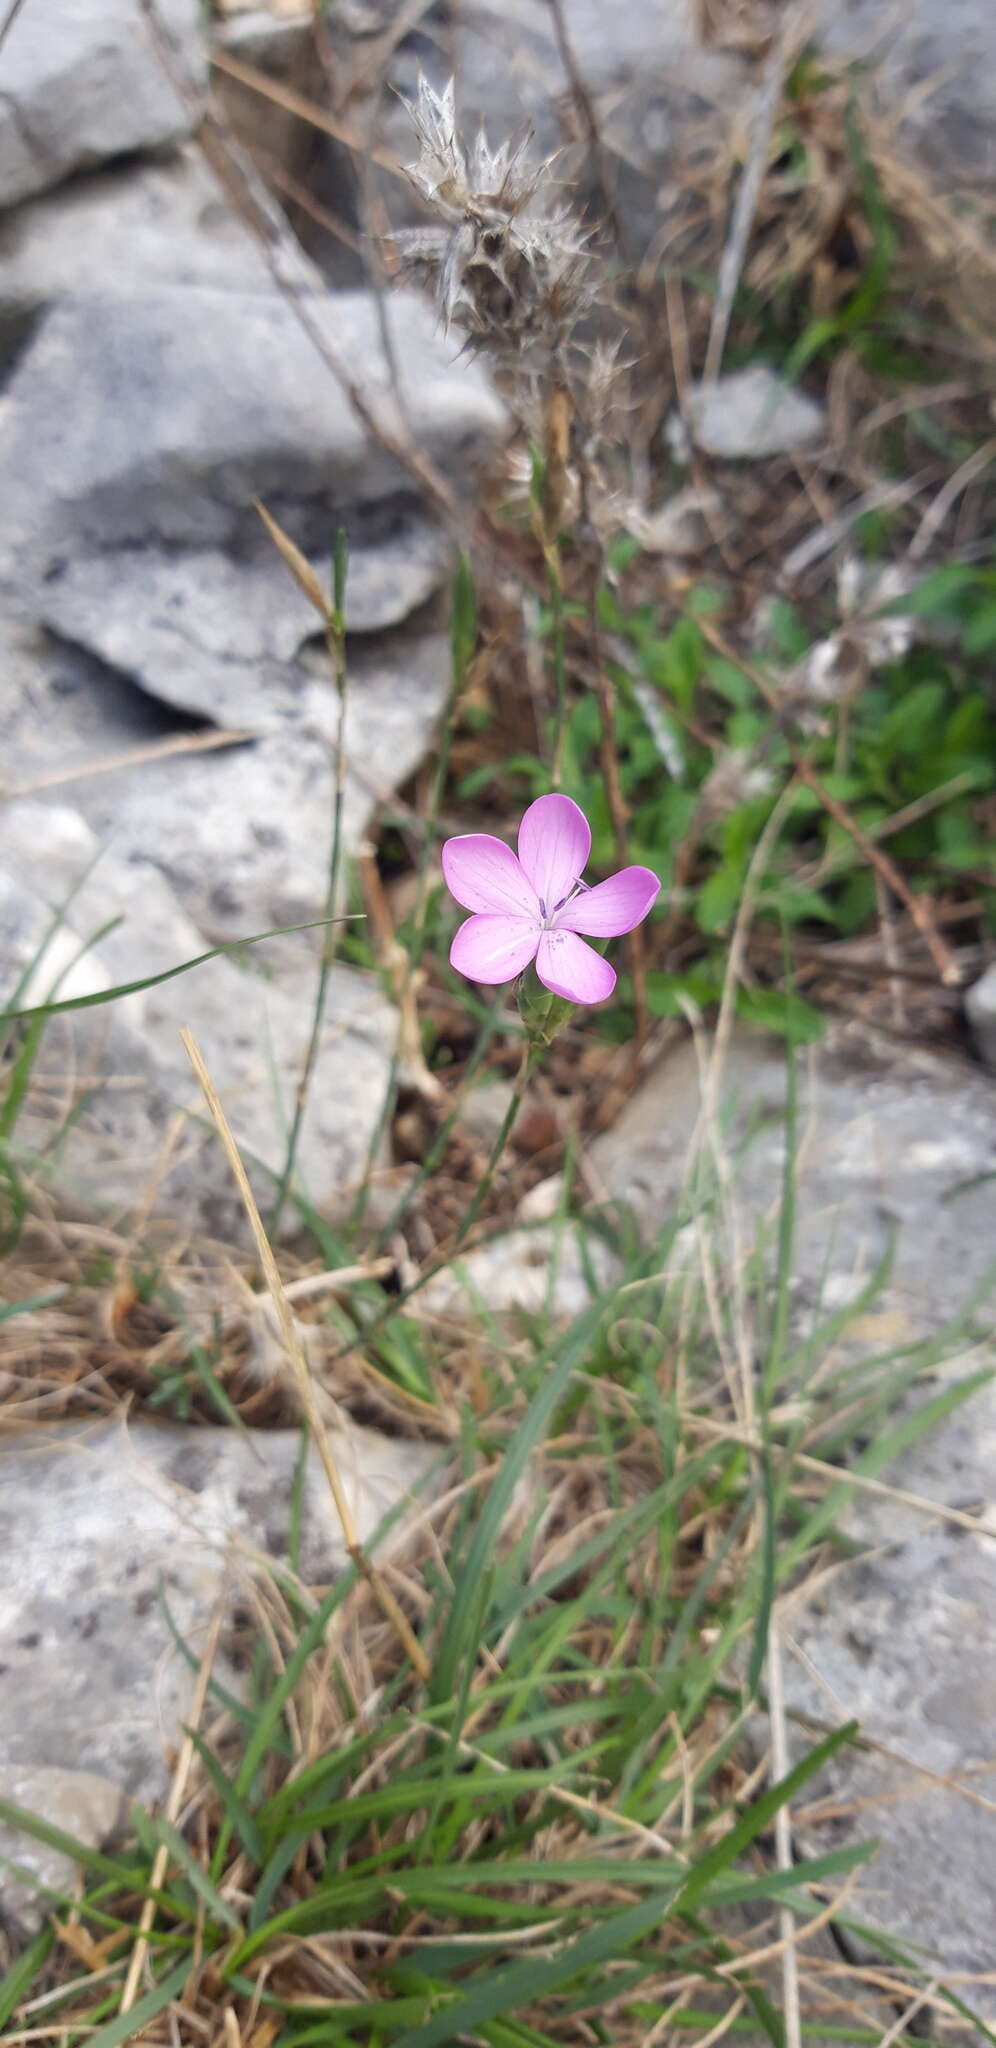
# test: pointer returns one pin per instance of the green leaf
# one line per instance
(131, 988)
(124, 1875)
(731, 682)
(701, 986)
(520, 1983)
(779, 1010)
(457, 1637)
(718, 899)
(126, 2025)
(879, 1454)
(238, 1812)
(193, 1870)
(340, 572)
(939, 595)
(22, 1972)
(759, 1816)
(979, 635)
(8, 1309)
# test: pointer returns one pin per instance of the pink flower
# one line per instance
(533, 907)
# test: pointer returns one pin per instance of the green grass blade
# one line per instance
(22, 1973)
(457, 1643)
(762, 1813)
(196, 1875)
(131, 988)
(238, 1812)
(126, 1876)
(9, 1309)
(888, 1446)
(125, 2025)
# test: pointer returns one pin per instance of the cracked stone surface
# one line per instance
(163, 222)
(81, 1803)
(904, 1638)
(219, 637)
(188, 403)
(252, 1034)
(103, 1524)
(537, 1271)
(83, 80)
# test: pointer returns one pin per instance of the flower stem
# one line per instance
(335, 630)
(484, 1185)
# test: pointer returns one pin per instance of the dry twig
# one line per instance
(299, 1367)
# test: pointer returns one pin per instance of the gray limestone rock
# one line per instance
(751, 413)
(121, 1068)
(509, 67)
(537, 1271)
(80, 1803)
(156, 223)
(106, 1526)
(156, 418)
(244, 834)
(905, 1146)
(907, 1639)
(217, 636)
(980, 1009)
(936, 60)
(84, 80)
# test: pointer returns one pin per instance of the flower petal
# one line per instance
(492, 948)
(611, 907)
(483, 874)
(569, 968)
(554, 844)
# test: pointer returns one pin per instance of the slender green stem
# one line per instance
(336, 640)
(467, 1221)
(484, 1185)
(441, 1139)
(463, 634)
(463, 637)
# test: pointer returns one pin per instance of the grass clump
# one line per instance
(562, 1828)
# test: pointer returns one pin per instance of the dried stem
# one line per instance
(919, 907)
(731, 264)
(783, 1834)
(299, 1367)
(134, 757)
(9, 19)
(173, 1804)
(589, 120)
(336, 641)
(609, 757)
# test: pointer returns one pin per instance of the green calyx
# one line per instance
(542, 1013)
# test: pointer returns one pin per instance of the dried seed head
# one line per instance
(512, 272)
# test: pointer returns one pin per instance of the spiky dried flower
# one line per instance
(512, 268)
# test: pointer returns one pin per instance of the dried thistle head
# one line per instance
(511, 267)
